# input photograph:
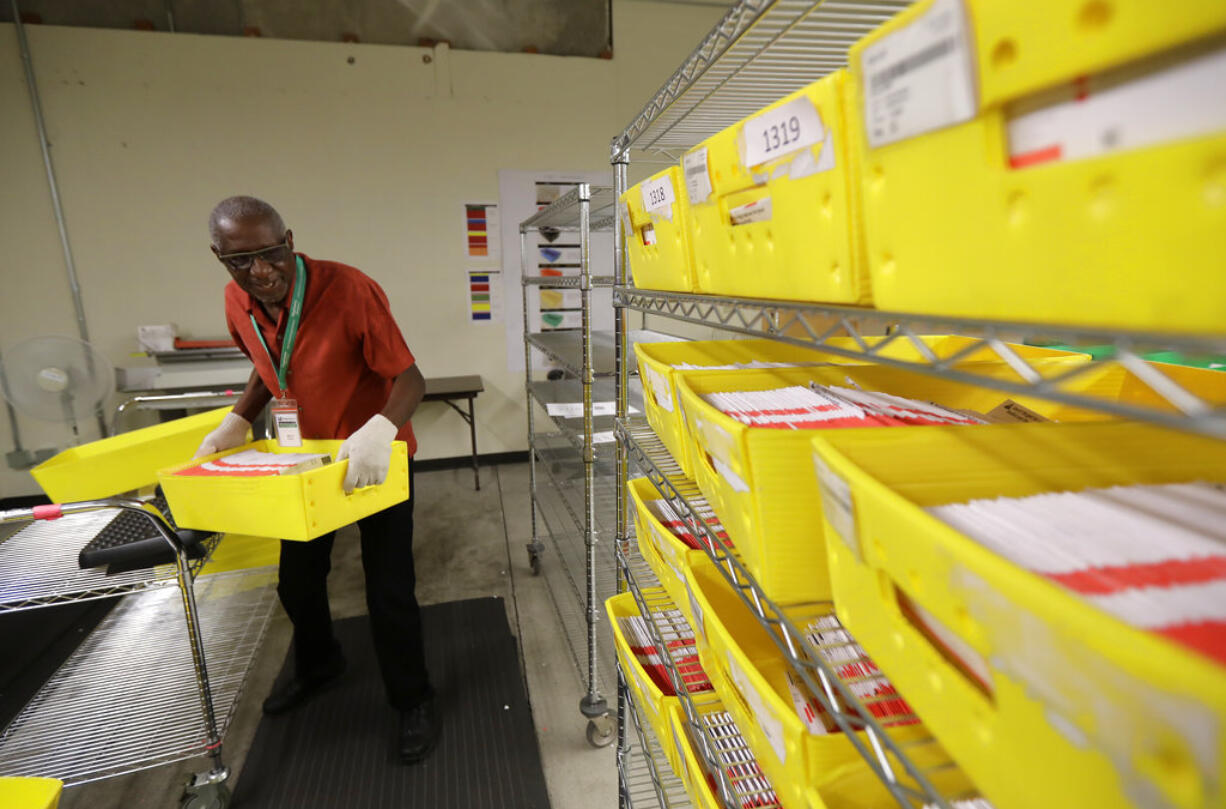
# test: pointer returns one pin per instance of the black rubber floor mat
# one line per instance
(337, 751)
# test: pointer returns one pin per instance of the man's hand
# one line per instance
(231, 433)
(369, 451)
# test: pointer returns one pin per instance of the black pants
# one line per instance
(395, 618)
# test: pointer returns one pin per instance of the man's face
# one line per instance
(259, 259)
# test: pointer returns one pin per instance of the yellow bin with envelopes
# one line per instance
(654, 705)
(298, 506)
(761, 482)
(1046, 161)
(1015, 675)
(661, 365)
(772, 203)
(656, 216)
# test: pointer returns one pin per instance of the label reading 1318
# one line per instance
(658, 193)
(784, 129)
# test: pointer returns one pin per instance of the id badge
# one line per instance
(285, 422)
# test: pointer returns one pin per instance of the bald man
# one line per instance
(323, 342)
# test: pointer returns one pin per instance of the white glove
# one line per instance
(231, 433)
(369, 451)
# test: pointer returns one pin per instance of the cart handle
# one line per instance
(54, 511)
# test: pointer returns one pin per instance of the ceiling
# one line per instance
(563, 27)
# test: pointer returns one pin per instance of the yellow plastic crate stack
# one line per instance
(1043, 161)
(1051, 161)
(1054, 161)
(765, 208)
(1019, 678)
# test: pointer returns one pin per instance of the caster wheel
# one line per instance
(600, 732)
(206, 796)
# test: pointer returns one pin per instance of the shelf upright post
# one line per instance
(620, 160)
(535, 546)
(593, 704)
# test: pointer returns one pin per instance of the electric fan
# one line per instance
(56, 379)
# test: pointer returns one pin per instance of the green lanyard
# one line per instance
(291, 328)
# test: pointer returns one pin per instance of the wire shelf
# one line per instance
(570, 392)
(567, 281)
(127, 699)
(812, 325)
(645, 778)
(759, 52)
(565, 212)
(38, 564)
(910, 785)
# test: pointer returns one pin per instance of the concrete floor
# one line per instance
(467, 544)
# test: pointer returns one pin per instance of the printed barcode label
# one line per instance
(781, 131)
(920, 77)
(836, 503)
(658, 193)
(697, 177)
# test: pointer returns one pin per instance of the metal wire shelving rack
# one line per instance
(137, 692)
(582, 355)
(760, 51)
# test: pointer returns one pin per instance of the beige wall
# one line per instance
(369, 163)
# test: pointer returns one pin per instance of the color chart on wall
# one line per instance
(481, 231)
(484, 296)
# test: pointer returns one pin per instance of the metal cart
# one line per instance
(569, 510)
(760, 51)
(125, 701)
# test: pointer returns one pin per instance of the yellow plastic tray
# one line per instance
(1125, 238)
(298, 507)
(770, 513)
(667, 556)
(690, 769)
(123, 462)
(750, 677)
(807, 243)
(656, 363)
(1078, 708)
(658, 239)
(30, 793)
(654, 704)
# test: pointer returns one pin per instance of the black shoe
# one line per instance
(297, 691)
(419, 732)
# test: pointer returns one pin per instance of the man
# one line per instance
(323, 342)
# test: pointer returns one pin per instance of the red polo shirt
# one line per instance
(348, 350)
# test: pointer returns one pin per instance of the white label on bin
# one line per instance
(837, 506)
(697, 176)
(775, 133)
(1138, 105)
(757, 211)
(772, 727)
(658, 196)
(661, 391)
(696, 608)
(920, 77)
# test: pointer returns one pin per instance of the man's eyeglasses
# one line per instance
(238, 262)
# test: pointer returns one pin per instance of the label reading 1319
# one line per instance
(784, 129)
